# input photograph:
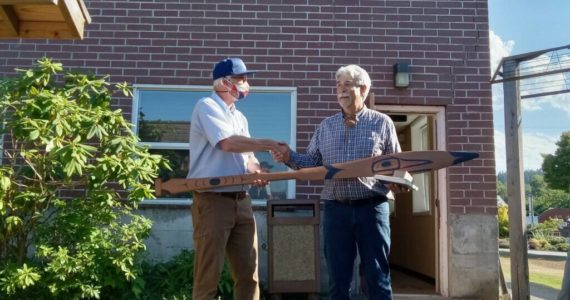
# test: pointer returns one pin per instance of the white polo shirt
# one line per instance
(213, 121)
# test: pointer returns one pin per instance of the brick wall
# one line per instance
(302, 43)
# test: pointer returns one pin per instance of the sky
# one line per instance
(521, 26)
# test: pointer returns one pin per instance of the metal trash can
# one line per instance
(294, 247)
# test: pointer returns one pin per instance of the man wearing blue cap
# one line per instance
(220, 145)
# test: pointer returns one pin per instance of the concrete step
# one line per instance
(419, 297)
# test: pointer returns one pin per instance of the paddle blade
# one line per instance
(463, 156)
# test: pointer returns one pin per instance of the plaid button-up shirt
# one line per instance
(334, 142)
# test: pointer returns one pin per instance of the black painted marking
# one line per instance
(463, 156)
(395, 163)
(215, 181)
(331, 171)
(386, 164)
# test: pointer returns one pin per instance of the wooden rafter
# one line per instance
(10, 20)
(73, 16)
(58, 19)
(14, 2)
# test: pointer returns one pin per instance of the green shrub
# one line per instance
(65, 231)
(546, 229)
(534, 244)
(171, 280)
(563, 247)
(503, 219)
(544, 244)
(556, 240)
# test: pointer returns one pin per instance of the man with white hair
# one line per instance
(356, 216)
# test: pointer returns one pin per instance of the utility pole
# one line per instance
(511, 77)
(515, 184)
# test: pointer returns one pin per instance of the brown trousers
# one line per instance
(223, 225)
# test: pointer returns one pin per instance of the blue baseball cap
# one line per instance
(230, 66)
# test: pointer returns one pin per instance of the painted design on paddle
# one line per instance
(392, 164)
(463, 156)
(331, 171)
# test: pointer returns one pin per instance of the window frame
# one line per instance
(137, 88)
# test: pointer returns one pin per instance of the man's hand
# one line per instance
(273, 146)
(398, 188)
(282, 153)
(242, 144)
(260, 182)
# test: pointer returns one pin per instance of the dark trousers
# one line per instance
(366, 228)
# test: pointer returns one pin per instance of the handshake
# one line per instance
(280, 152)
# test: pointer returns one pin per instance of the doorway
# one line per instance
(419, 236)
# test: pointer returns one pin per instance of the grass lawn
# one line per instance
(547, 272)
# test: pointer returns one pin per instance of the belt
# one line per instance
(362, 202)
(234, 195)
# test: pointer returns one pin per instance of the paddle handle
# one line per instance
(180, 185)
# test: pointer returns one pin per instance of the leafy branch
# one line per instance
(68, 156)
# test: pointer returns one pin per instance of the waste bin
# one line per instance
(294, 251)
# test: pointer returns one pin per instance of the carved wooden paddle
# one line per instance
(412, 162)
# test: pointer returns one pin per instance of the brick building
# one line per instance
(445, 234)
(558, 213)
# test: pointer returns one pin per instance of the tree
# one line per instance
(71, 177)
(502, 191)
(538, 185)
(551, 198)
(528, 177)
(502, 176)
(556, 165)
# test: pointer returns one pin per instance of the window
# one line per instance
(420, 141)
(162, 117)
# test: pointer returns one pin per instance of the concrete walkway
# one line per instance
(538, 253)
(537, 291)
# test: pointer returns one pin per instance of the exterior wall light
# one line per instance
(401, 75)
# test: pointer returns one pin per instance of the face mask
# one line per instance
(237, 90)
(242, 90)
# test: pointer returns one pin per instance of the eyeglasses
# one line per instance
(346, 84)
